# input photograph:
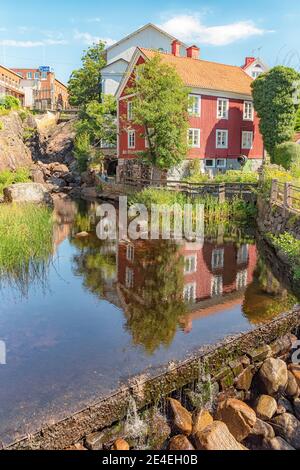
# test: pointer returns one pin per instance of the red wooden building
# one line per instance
(223, 124)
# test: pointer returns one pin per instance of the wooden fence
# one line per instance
(285, 195)
(222, 191)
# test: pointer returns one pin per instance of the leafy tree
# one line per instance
(85, 83)
(274, 100)
(160, 106)
(297, 125)
(287, 155)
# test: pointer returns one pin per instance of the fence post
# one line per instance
(274, 191)
(287, 196)
(222, 192)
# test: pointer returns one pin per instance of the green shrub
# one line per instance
(10, 102)
(287, 155)
(231, 176)
(290, 246)
(82, 150)
(7, 177)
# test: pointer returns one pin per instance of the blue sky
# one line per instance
(34, 33)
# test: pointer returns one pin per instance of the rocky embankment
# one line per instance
(257, 409)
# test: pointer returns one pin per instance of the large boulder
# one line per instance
(273, 376)
(297, 407)
(287, 427)
(295, 370)
(201, 419)
(120, 444)
(238, 416)
(262, 429)
(27, 192)
(266, 407)
(276, 443)
(182, 417)
(180, 442)
(292, 388)
(216, 436)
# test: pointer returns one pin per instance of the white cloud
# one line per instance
(90, 39)
(190, 29)
(24, 44)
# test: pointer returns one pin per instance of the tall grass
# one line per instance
(7, 177)
(26, 244)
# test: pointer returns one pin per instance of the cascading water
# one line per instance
(135, 428)
(202, 395)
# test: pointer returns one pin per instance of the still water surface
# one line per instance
(101, 312)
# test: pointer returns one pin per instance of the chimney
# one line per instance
(176, 48)
(193, 52)
(248, 61)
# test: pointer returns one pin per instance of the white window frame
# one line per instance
(225, 132)
(195, 132)
(130, 252)
(131, 139)
(246, 144)
(129, 277)
(191, 110)
(241, 279)
(129, 110)
(191, 261)
(224, 162)
(242, 254)
(217, 258)
(222, 111)
(216, 286)
(29, 75)
(213, 163)
(189, 292)
(248, 113)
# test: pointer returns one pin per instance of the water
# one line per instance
(102, 312)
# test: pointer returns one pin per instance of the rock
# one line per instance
(216, 436)
(266, 407)
(82, 235)
(273, 375)
(95, 440)
(285, 404)
(244, 380)
(158, 430)
(287, 427)
(236, 367)
(292, 388)
(89, 177)
(89, 193)
(262, 429)
(227, 381)
(239, 417)
(261, 353)
(76, 446)
(281, 345)
(201, 419)
(297, 407)
(180, 442)
(60, 182)
(182, 417)
(276, 443)
(27, 192)
(120, 444)
(37, 176)
(295, 370)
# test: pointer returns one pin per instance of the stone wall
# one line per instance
(275, 219)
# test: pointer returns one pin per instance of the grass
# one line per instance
(7, 177)
(231, 176)
(290, 246)
(26, 241)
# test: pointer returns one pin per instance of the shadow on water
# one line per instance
(91, 313)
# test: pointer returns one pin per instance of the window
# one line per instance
(242, 254)
(209, 163)
(216, 286)
(241, 279)
(189, 292)
(36, 75)
(194, 138)
(131, 139)
(190, 264)
(130, 252)
(217, 258)
(129, 277)
(130, 110)
(221, 139)
(222, 108)
(221, 162)
(44, 75)
(248, 111)
(195, 105)
(247, 139)
(29, 75)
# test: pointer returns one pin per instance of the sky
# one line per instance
(55, 33)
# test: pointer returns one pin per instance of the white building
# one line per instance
(254, 67)
(120, 54)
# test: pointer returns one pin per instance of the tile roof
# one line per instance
(198, 73)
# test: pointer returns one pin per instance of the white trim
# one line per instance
(137, 54)
(190, 111)
(226, 100)
(220, 93)
(216, 289)
(187, 287)
(130, 133)
(221, 166)
(187, 259)
(246, 102)
(197, 132)
(213, 161)
(226, 133)
(217, 258)
(246, 147)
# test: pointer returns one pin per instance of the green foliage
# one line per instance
(297, 120)
(160, 106)
(9, 103)
(290, 246)
(29, 133)
(1, 126)
(274, 100)
(82, 150)
(287, 155)
(231, 176)
(26, 242)
(24, 113)
(7, 177)
(271, 172)
(85, 83)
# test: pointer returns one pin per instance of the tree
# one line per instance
(287, 155)
(160, 105)
(297, 125)
(274, 95)
(85, 83)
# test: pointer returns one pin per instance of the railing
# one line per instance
(220, 190)
(285, 195)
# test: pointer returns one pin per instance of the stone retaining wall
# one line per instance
(275, 219)
(230, 364)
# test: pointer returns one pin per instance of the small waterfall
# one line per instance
(135, 428)
(202, 394)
